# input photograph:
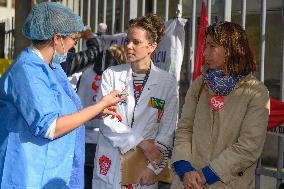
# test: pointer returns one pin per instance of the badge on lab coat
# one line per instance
(156, 103)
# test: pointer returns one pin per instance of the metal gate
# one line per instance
(116, 13)
(7, 38)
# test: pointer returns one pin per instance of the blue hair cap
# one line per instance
(49, 18)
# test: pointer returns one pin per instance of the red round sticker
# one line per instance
(216, 102)
(98, 77)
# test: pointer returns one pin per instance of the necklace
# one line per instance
(138, 85)
(138, 88)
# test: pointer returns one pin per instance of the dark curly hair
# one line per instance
(152, 24)
(239, 59)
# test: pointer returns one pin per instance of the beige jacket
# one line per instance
(229, 140)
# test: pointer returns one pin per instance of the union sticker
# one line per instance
(104, 163)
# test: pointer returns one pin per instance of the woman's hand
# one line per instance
(147, 177)
(193, 180)
(152, 152)
(110, 111)
(112, 98)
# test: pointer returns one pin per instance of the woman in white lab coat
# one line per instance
(149, 112)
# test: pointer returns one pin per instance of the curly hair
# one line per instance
(152, 24)
(239, 59)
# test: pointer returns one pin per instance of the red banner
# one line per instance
(201, 42)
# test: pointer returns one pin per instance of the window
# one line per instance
(3, 3)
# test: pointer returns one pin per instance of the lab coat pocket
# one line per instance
(106, 162)
(158, 106)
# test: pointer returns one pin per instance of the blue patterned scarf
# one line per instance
(220, 83)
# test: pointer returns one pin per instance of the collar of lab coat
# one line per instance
(127, 79)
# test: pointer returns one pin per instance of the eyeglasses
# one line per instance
(75, 39)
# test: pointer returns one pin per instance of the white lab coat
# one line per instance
(118, 137)
(86, 94)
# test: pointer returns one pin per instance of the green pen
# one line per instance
(123, 92)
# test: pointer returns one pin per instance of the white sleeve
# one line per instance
(166, 151)
(50, 131)
(119, 134)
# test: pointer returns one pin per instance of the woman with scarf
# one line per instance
(222, 128)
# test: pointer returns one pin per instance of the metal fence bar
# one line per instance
(76, 6)
(244, 11)
(143, 8)
(81, 11)
(113, 17)
(209, 11)
(96, 16)
(133, 9)
(9, 41)
(280, 149)
(89, 13)
(192, 46)
(5, 40)
(166, 10)
(105, 11)
(257, 174)
(73, 5)
(8, 37)
(12, 38)
(279, 160)
(262, 39)
(282, 72)
(122, 13)
(82, 16)
(154, 11)
(227, 10)
(2, 45)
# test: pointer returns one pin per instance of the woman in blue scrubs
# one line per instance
(41, 117)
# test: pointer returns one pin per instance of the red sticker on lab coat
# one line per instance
(104, 163)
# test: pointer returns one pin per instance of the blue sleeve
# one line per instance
(33, 95)
(210, 175)
(181, 167)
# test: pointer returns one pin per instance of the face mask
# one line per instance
(57, 58)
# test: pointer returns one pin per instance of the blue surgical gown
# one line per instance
(32, 96)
